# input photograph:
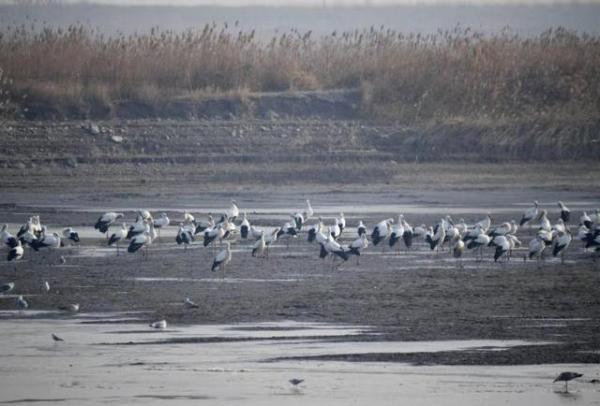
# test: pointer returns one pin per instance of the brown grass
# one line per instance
(412, 78)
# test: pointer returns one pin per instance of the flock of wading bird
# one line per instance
(456, 237)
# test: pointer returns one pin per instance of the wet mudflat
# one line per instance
(396, 324)
(117, 358)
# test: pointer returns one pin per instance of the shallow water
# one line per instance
(85, 370)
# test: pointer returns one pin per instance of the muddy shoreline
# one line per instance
(407, 295)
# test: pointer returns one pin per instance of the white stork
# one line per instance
(234, 211)
(7, 238)
(536, 247)
(140, 241)
(478, 243)
(202, 225)
(244, 227)
(70, 234)
(161, 222)
(309, 210)
(357, 245)
(408, 233)
(184, 236)
(312, 232)
(530, 214)
(105, 221)
(561, 243)
(502, 247)
(585, 220)
(341, 222)
(361, 228)
(117, 236)
(381, 230)
(565, 213)
(259, 246)
(544, 222)
(222, 259)
(16, 252)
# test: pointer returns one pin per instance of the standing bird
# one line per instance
(312, 232)
(478, 243)
(566, 377)
(270, 240)
(244, 227)
(439, 234)
(184, 236)
(381, 231)
(357, 245)
(202, 225)
(485, 224)
(544, 222)
(259, 246)
(22, 303)
(117, 236)
(46, 241)
(586, 220)
(16, 253)
(536, 247)
(341, 222)
(105, 221)
(70, 235)
(222, 259)
(396, 233)
(56, 338)
(309, 210)
(502, 247)
(529, 214)
(565, 213)
(7, 238)
(361, 228)
(139, 241)
(298, 220)
(561, 243)
(333, 247)
(234, 211)
(161, 222)
(139, 227)
(335, 230)
(458, 249)
(408, 234)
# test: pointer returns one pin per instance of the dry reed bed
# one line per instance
(409, 77)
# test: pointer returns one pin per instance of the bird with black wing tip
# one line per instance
(566, 377)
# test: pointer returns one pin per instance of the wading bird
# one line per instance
(222, 259)
(105, 221)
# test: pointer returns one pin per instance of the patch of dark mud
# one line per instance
(174, 397)
(519, 355)
(216, 339)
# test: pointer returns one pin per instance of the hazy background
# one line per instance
(409, 16)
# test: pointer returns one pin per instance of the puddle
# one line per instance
(217, 280)
(81, 370)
